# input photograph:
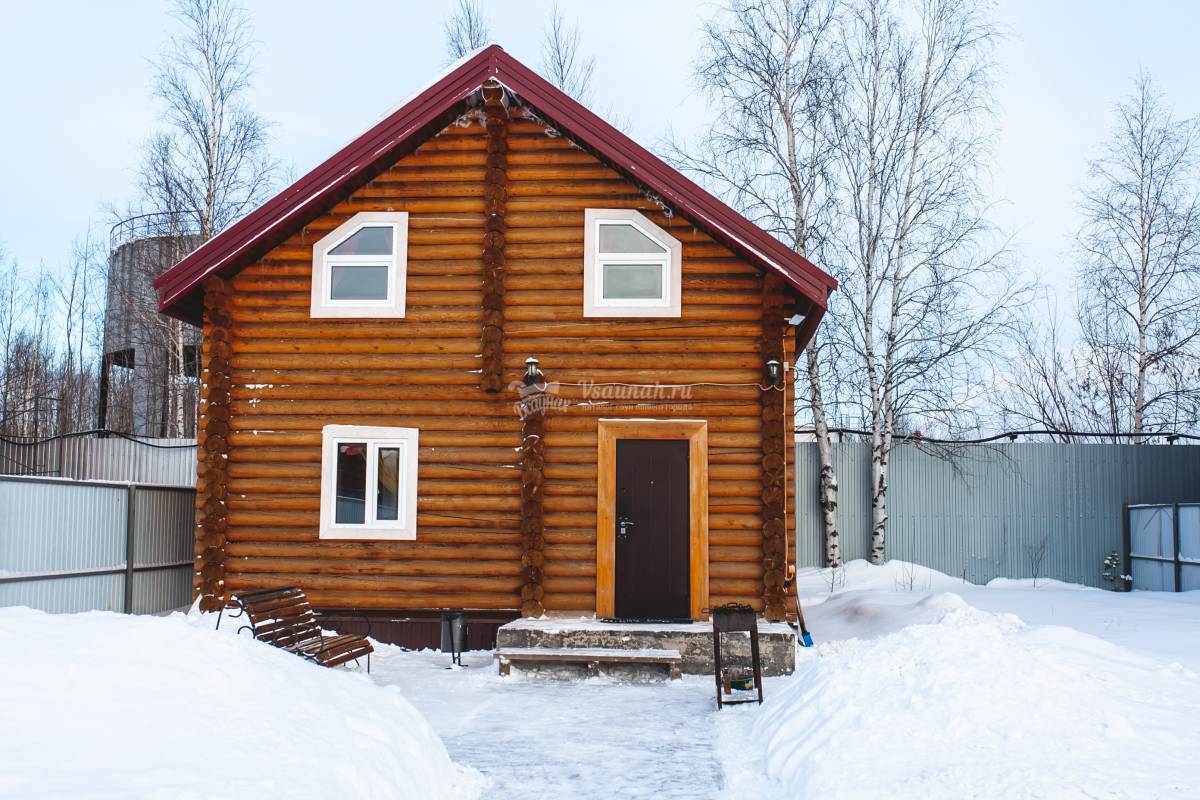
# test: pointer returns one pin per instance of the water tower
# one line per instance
(150, 369)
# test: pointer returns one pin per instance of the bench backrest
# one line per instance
(281, 617)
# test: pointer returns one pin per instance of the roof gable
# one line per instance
(420, 119)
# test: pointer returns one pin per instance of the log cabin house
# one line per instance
(370, 428)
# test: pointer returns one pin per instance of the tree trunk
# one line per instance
(828, 486)
(879, 499)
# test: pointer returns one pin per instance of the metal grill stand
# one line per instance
(735, 618)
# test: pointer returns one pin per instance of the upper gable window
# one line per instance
(631, 266)
(359, 268)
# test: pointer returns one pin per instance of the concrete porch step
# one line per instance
(693, 641)
(592, 657)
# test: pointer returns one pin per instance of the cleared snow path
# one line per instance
(576, 739)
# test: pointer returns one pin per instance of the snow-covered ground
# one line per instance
(103, 705)
(924, 686)
(920, 685)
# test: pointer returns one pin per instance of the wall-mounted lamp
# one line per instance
(533, 375)
(773, 373)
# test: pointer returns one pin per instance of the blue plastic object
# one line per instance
(806, 639)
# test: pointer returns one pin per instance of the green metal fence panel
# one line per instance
(997, 510)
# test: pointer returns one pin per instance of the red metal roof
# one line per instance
(416, 121)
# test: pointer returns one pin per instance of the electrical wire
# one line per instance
(1012, 435)
(97, 432)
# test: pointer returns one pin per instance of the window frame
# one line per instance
(595, 262)
(322, 305)
(374, 437)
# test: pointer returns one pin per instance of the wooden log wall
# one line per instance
(717, 339)
(212, 517)
(495, 204)
(533, 481)
(291, 375)
(774, 460)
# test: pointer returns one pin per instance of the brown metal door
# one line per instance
(653, 570)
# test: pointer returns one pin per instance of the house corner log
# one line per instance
(774, 418)
(533, 541)
(495, 199)
(212, 512)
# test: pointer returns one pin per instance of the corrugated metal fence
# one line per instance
(984, 511)
(97, 522)
(106, 458)
(81, 545)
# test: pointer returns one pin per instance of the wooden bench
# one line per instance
(283, 618)
(593, 657)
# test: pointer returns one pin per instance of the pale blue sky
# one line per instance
(76, 83)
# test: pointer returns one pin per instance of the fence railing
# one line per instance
(101, 455)
(69, 545)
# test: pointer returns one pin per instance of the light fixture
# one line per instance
(533, 375)
(773, 373)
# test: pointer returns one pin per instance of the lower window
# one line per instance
(368, 482)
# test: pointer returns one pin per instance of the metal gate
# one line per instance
(1162, 546)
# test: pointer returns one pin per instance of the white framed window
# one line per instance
(359, 269)
(631, 266)
(368, 482)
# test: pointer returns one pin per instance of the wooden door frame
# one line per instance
(695, 432)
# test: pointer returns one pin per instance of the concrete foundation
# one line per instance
(776, 641)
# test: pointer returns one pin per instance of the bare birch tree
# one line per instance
(466, 30)
(207, 167)
(212, 163)
(563, 62)
(925, 296)
(767, 68)
(10, 301)
(1046, 383)
(81, 306)
(1139, 270)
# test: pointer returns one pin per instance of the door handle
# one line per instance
(623, 525)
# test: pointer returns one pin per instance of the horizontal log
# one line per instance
(557, 566)
(383, 583)
(470, 570)
(425, 503)
(573, 281)
(569, 602)
(407, 345)
(408, 550)
(421, 205)
(389, 599)
(457, 314)
(267, 377)
(569, 584)
(307, 534)
(568, 313)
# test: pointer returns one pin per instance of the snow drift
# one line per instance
(105, 705)
(939, 699)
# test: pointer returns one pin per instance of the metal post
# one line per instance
(1176, 545)
(1126, 549)
(131, 493)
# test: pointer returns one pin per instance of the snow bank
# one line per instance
(948, 701)
(105, 705)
